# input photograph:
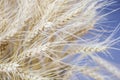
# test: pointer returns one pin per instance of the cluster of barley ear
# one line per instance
(36, 37)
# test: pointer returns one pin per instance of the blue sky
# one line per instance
(111, 22)
(115, 18)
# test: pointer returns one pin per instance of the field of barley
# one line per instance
(59, 39)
